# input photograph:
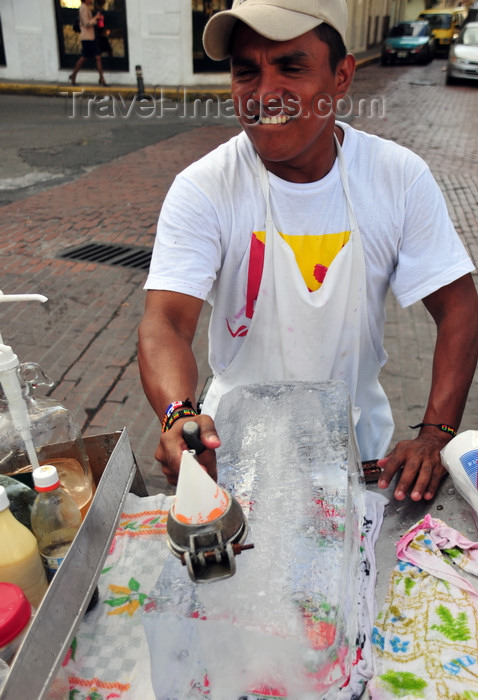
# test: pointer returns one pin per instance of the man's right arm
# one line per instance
(169, 372)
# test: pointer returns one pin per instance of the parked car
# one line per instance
(463, 56)
(446, 23)
(409, 41)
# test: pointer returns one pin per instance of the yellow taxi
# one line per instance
(446, 23)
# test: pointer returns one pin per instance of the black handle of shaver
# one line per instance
(191, 436)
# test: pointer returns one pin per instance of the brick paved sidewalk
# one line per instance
(86, 338)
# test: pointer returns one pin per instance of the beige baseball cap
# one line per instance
(278, 20)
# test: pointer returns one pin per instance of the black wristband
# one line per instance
(441, 426)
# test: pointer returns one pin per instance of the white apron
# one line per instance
(300, 335)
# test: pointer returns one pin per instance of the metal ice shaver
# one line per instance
(208, 549)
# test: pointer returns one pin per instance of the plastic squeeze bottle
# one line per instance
(55, 516)
(15, 617)
(20, 560)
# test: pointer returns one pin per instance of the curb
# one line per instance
(191, 92)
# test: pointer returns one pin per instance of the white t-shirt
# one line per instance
(210, 232)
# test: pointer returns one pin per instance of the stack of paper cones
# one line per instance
(198, 498)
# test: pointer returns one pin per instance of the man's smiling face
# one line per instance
(284, 95)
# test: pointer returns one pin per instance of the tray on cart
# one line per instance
(36, 664)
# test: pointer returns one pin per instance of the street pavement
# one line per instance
(46, 141)
(85, 337)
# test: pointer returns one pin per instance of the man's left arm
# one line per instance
(454, 309)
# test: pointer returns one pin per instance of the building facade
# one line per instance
(37, 41)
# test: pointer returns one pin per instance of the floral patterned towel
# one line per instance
(109, 657)
(425, 639)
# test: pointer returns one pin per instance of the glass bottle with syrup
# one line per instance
(55, 516)
(36, 430)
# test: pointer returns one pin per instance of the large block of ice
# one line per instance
(286, 624)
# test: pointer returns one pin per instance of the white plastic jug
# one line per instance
(460, 458)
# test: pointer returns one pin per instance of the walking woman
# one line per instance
(89, 46)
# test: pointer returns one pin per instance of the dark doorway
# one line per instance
(3, 61)
(113, 42)
(202, 11)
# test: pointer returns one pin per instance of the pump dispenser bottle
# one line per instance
(36, 430)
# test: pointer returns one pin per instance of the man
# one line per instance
(294, 230)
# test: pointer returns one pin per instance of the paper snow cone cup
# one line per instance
(198, 498)
(460, 459)
(206, 525)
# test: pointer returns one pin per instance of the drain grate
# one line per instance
(110, 254)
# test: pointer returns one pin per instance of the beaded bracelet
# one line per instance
(179, 413)
(176, 410)
(441, 426)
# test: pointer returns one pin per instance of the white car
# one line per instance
(463, 56)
